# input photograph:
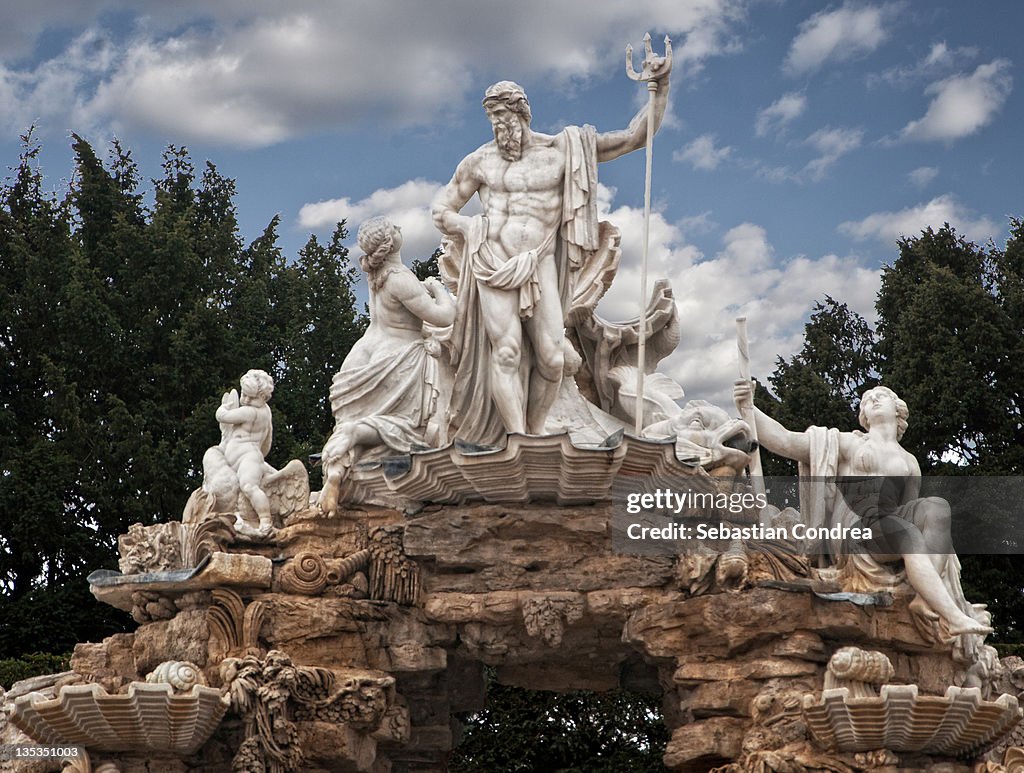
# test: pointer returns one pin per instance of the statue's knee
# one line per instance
(249, 489)
(571, 359)
(551, 366)
(339, 442)
(507, 354)
(938, 510)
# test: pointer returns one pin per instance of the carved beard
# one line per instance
(508, 135)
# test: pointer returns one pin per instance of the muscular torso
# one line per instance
(522, 199)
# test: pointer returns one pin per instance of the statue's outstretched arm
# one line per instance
(771, 434)
(613, 144)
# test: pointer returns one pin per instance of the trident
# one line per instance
(646, 74)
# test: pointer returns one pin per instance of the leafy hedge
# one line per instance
(38, 663)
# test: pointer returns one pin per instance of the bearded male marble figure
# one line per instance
(514, 264)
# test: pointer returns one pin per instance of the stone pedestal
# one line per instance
(393, 619)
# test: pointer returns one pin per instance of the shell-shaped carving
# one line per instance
(1013, 760)
(179, 674)
(306, 574)
(357, 562)
(148, 718)
(857, 665)
(529, 468)
(957, 724)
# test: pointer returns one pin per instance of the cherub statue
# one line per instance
(879, 487)
(386, 395)
(236, 479)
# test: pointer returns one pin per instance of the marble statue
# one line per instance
(706, 434)
(389, 393)
(237, 463)
(883, 495)
(516, 261)
(610, 352)
(237, 480)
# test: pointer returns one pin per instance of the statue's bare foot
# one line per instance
(266, 526)
(968, 625)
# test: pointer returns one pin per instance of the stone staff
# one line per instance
(646, 74)
(756, 475)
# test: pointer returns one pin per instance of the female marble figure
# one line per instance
(386, 394)
(905, 526)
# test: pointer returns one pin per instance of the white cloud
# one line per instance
(963, 104)
(744, 277)
(888, 227)
(780, 113)
(923, 175)
(697, 224)
(251, 74)
(702, 153)
(831, 144)
(939, 60)
(407, 205)
(837, 35)
(50, 93)
(775, 174)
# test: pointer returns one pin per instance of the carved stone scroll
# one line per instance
(310, 573)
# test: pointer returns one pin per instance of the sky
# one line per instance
(803, 139)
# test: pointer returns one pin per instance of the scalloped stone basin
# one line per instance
(529, 468)
(957, 724)
(147, 718)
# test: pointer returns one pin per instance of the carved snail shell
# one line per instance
(857, 665)
(307, 573)
(179, 674)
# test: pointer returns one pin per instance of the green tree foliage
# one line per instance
(122, 326)
(950, 342)
(952, 350)
(429, 267)
(319, 285)
(821, 384)
(35, 664)
(522, 731)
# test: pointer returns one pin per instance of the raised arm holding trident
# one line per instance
(514, 263)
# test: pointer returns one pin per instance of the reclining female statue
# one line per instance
(876, 483)
(386, 395)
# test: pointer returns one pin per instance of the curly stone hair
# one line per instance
(902, 411)
(264, 383)
(377, 241)
(512, 95)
